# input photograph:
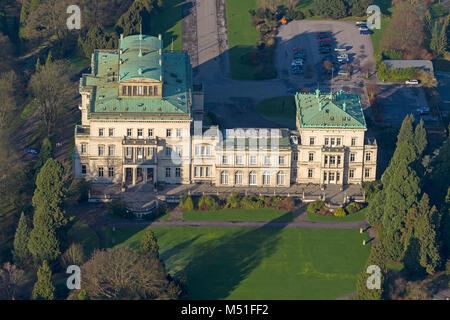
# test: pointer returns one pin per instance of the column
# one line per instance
(134, 172)
(123, 174)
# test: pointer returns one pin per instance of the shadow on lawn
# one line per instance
(222, 264)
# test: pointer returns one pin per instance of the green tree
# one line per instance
(420, 138)
(44, 288)
(425, 231)
(45, 153)
(21, 253)
(96, 38)
(149, 244)
(139, 14)
(188, 204)
(335, 9)
(363, 289)
(49, 216)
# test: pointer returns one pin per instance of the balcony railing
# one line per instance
(141, 161)
(82, 130)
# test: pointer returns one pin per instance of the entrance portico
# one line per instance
(139, 173)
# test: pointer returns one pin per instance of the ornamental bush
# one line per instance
(233, 201)
(353, 207)
(315, 206)
(208, 203)
(339, 212)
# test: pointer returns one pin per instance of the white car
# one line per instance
(423, 110)
(363, 29)
(297, 63)
(340, 49)
(342, 56)
(358, 23)
(344, 73)
(415, 82)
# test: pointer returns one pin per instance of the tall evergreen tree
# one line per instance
(425, 231)
(44, 288)
(49, 215)
(420, 138)
(149, 244)
(364, 291)
(21, 253)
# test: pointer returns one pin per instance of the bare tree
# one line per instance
(7, 100)
(53, 90)
(10, 278)
(122, 273)
(367, 68)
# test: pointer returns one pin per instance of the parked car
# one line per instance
(297, 70)
(423, 110)
(340, 49)
(358, 23)
(365, 32)
(322, 34)
(325, 44)
(342, 60)
(324, 40)
(324, 50)
(32, 151)
(297, 62)
(414, 82)
(363, 28)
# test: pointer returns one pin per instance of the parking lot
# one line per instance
(398, 100)
(303, 35)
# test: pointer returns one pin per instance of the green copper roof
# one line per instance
(337, 110)
(140, 55)
(102, 83)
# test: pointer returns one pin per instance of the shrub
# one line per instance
(353, 207)
(252, 202)
(315, 206)
(207, 203)
(339, 212)
(286, 204)
(118, 208)
(157, 213)
(233, 201)
(392, 54)
(371, 188)
(188, 204)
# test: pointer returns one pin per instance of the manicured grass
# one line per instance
(168, 24)
(360, 215)
(263, 214)
(81, 233)
(263, 263)
(242, 36)
(118, 236)
(279, 107)
(396, 266)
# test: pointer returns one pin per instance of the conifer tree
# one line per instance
(48, 216)
(425, 231)
(21, 253)
(149, 244)
(44, 288)
(364, 290)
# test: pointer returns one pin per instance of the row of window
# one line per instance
(140, 91)
(331, 141)
(169, 172)
(202, 172)
(252, 178)
(101, 171)
(333, 158)
(140, 132)
(253, 160)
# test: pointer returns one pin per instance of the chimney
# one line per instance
(160, 77)
(121, 36)
(344, 106)
(159, 37)
(160, 62)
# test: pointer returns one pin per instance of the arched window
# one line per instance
(280, 178)
(238, 177)
(266, 178)
(252, 178)
(224, 177)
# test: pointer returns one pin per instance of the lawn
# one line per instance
(279, 107)
(377, 34)
(81, 233)
(263, 263)
(168, 24)
(242, 36)
(263, 214)
(360, 215)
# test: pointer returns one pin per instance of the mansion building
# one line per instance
(142, 122)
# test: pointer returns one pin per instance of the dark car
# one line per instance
(324, 50)
(324, 40)
(32, 151)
